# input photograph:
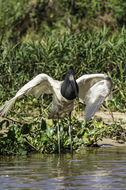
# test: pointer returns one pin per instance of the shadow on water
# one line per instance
(100, 168)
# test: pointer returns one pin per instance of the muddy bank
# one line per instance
(110, 142)
(109, 118)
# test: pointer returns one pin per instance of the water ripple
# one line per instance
(100, 169)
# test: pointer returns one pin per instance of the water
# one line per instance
(95, 169)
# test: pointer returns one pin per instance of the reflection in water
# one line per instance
(103, 168)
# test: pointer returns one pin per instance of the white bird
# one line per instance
(93, 90)
(64, 93)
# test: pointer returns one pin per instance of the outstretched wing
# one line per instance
(93, 90)
(42, 83)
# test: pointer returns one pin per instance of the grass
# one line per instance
(86, 52)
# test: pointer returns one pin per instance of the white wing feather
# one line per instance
(93, 90)
(85, 82)
(42, 83)
(95, 97)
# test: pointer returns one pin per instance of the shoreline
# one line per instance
(110, 142)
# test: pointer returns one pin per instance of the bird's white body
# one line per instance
(42, 83)
(93, 90)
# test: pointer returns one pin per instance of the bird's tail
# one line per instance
(7, 106)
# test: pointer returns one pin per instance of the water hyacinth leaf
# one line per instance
(44, 138)
(49, 131)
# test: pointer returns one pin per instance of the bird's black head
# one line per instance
(70, 71)
(69, 88)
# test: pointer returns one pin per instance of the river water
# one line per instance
(92, 169)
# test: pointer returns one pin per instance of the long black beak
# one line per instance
(74, 85)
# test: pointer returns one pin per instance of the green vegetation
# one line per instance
(35, 19)
(48, 37)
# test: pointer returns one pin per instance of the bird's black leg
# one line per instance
(58, 132)
(70, 132)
